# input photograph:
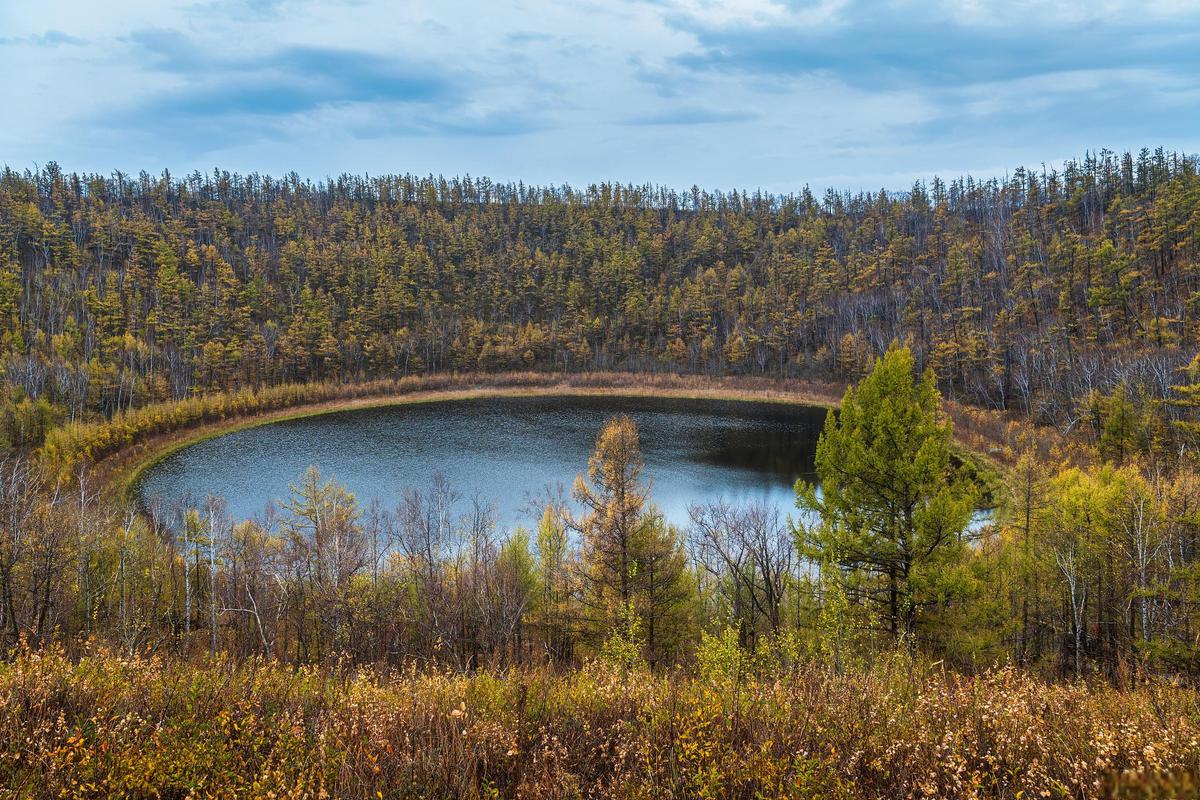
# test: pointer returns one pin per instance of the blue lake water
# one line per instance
(506, 451)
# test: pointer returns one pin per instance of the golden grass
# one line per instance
(109, 726)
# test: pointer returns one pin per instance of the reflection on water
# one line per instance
(505, 450)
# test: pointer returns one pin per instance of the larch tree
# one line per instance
(552, 610)
(614, 501)
(1076, 531)
(1027, 499)
(664, 591)
(328, 549)
(631, 563)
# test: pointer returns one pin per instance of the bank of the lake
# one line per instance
(119, 473)
(986, 438)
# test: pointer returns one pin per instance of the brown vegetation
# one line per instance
(107, 726)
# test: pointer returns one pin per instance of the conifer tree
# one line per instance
(889, 504)
(630, 559)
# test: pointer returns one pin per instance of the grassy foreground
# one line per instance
(108, 726)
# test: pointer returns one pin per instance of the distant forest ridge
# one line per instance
(1144, 168)
(1030, 293)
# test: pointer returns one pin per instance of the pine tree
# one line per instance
(889, 506)
(1188, 399)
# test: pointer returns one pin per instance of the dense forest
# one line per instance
(1026, 293)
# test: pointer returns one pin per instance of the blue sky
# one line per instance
(771, 94)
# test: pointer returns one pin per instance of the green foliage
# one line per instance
(25, 422)
(1128, 427)
(842, 629)
(892, 511)
(1187, 398)
(626, 641)
(720, 658)
(515, 563)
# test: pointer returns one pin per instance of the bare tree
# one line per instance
(20, 488)
(749, 551)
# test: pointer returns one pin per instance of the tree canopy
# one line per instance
(1026, 293)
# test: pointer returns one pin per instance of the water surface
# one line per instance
(506, 451)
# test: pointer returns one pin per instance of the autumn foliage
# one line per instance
(110, 726)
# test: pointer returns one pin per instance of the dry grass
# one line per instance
(107, 726)
(1004, 437)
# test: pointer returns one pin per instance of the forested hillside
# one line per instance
(1024, 293)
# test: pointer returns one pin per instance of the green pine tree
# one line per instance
(892, 512)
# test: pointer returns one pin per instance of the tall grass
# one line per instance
(110, 726)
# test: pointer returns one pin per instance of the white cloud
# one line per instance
(840, 91)
(1059, 12)
(750, 12)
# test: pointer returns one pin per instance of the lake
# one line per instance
(504, 450)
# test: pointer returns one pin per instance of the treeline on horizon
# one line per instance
(1032, 294)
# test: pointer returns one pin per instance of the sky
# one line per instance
(739, 94)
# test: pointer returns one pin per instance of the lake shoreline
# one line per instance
(504, 451)
(121, 473)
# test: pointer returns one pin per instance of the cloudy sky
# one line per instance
(771, 94)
